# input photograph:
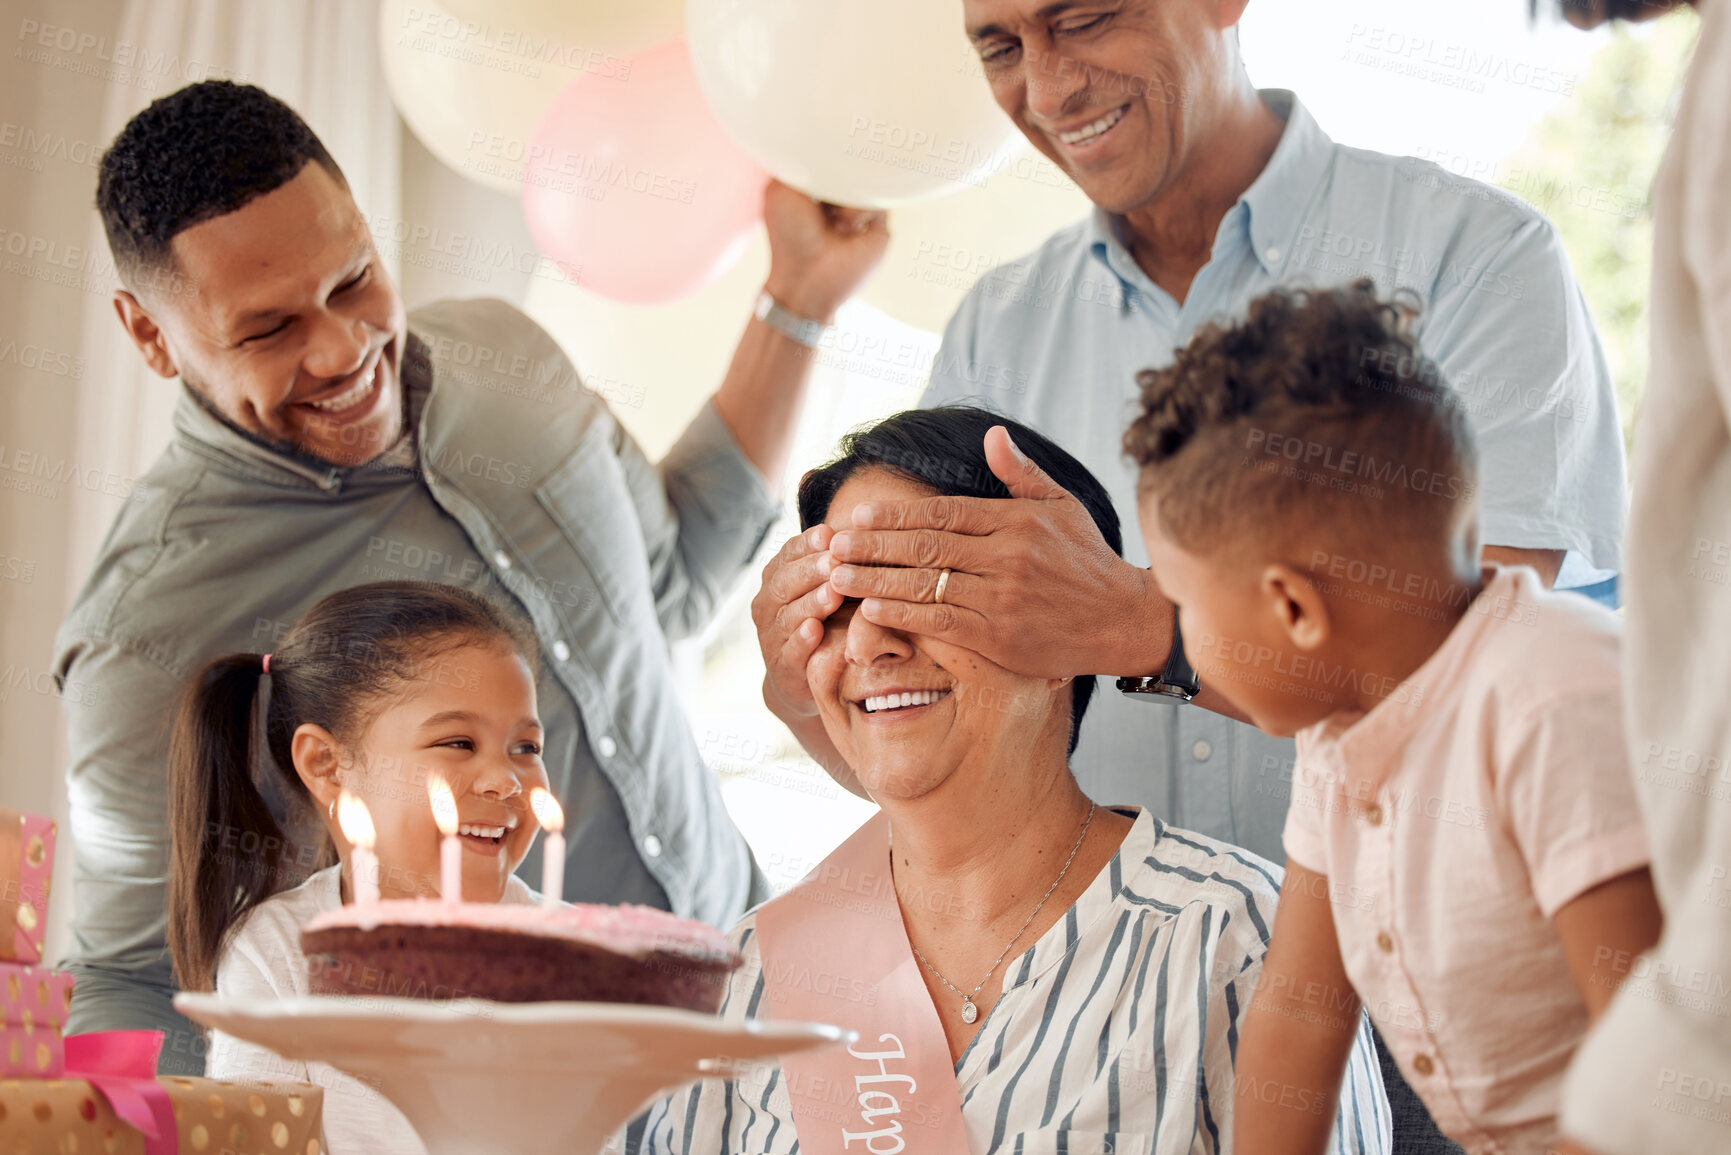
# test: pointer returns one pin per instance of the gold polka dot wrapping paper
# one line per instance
(33, 1006)
(26, 867)
(69, 1117)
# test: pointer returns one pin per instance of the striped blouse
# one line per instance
(1116, 1031)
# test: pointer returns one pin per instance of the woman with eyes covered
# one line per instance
(1026, 970)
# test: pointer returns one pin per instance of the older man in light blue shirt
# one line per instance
(1056, 338)
(1204, 202)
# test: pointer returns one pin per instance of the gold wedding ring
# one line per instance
(943, 582)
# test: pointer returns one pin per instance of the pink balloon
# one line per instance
(633, 188)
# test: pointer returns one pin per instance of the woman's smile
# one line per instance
(909, 711)
(898, 704)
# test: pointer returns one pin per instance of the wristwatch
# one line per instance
(1177, 680)
(787, 322)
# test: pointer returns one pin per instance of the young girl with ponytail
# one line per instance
(373, 691)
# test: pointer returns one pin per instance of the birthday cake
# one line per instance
(517, 953)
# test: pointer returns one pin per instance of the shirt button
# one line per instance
(562, 651)
(501, 559)
(1202, 750)
(1384, 942)
(1273, 255)
(1423, 1065)
(1373, 815)
(652, 846)
(606, 747)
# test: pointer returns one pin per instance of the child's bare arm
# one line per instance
(1603, 929)
(1298, 1029)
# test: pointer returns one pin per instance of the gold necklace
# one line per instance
(970, 1012)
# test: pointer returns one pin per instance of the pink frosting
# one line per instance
(634, 931)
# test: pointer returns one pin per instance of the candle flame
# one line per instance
(547, 810)
(444, 804)
(355, 820)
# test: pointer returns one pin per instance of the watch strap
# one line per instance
(788, 323)
(1177, 679)
(1178, 670)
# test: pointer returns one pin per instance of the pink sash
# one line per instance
(834, 950)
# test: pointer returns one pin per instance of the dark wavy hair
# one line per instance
(200, 152)
(944, 450)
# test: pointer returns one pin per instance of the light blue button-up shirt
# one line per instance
(1056, 338)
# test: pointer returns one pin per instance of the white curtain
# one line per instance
(80, 415)
(318, 56)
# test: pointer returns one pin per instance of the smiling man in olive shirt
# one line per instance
(326, 438)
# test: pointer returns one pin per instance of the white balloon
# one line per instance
(473, 92)
(938, 249)
(875, 103)
(654, 365)
(620, 27)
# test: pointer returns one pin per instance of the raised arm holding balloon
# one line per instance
(819, 253)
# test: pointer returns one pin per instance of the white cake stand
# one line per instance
(564, 1075)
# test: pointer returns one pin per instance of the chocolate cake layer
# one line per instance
(464, 961)
(456, 962)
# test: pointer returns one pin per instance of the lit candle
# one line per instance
(356, 823)
(450, 850)
(552, 819)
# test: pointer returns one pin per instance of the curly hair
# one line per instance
(1319, 406)
(200, 152)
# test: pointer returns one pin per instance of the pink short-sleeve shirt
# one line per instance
(1452, 821)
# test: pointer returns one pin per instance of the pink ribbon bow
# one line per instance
(121, 1065)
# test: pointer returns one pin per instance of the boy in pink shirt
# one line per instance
(1465, 857)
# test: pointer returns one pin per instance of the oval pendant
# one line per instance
(969, 1011)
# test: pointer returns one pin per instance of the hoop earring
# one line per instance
(331, 810)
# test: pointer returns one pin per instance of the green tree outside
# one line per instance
(1589, 166)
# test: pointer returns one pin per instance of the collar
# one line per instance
(1275, 203)
(242, 454)
(1095, 902)
(1362, 741)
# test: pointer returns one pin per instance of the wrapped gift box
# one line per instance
(38, 1054)
(34, 996)
(33, 1005)
(26, 863)
(52, 1116)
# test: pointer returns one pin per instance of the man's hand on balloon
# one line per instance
(1033, 586)
(819, 253)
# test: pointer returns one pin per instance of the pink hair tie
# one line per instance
(267, 663)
